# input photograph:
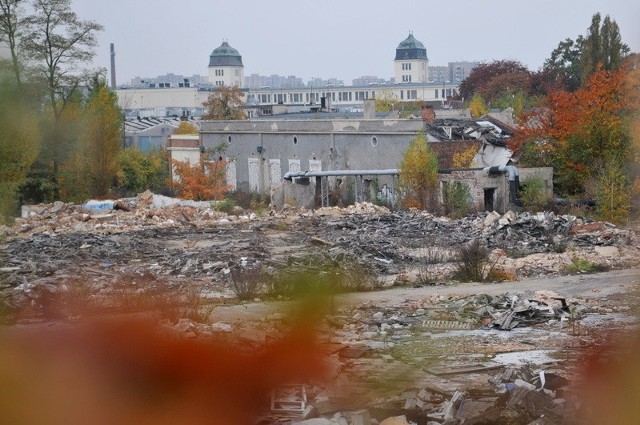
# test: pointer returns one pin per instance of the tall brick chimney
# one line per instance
(427, 113)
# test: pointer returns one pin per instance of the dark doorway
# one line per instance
(489, 199)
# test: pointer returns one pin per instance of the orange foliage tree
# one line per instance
(579, 133)
(200, 182)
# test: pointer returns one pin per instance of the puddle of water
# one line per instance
(537, 357)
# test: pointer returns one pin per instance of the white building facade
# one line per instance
(226, 69)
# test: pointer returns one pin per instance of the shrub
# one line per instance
(474, 262)
(259, 203)
(226, 205)
(200, 182)
(140, 171)
(427, 274)
(455, 199)
(533, 193)
(580, 265)
(246, 283)
(323, 278)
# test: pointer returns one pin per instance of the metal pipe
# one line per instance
(388, 172)
(510, 170)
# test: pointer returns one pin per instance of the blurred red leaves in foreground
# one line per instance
(610, 393)
(124, 369)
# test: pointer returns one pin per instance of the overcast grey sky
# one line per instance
(338, 38)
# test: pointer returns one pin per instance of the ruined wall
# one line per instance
(263, 155)
(546, 173)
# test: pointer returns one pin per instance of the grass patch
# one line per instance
(582, 265)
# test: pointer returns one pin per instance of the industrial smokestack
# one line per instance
(113, 66)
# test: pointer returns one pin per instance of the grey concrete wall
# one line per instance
(351, 144)
(546, 173)
(336, 145)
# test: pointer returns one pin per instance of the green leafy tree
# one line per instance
(225, 103)
(140, 171)
(563, 66)
(18, 147)
(419, 175)
(572, 63)
(613, 194)
(602, 45)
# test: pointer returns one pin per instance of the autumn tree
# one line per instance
(582, 133)
(481, 77)
(201, 182)
(185, 127)
(103, 134)
(419, 175)
(385, 100)
(225, 103)
(613, 193)
(478, 106)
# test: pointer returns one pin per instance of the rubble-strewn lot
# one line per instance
(500, 355)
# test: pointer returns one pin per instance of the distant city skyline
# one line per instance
(343, 40)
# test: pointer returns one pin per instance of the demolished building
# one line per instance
(260, 152)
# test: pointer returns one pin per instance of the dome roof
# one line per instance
(225, 55)
(410, 48)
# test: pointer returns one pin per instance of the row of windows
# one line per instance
(374, 139)
(406, 67)
(345, 96)
(406, 78)
(445, 93)
(219, 72)
(411, 94)
(219, 83)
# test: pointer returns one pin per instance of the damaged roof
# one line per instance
(489, 130)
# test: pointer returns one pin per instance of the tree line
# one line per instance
(61, 125)
(61, 130)
(577, 114)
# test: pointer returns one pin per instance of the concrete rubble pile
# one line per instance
(175, 239)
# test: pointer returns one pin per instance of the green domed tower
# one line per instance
(225, 66)
(411, 62)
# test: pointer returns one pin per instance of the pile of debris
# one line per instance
(176, 239)
(547, 232)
